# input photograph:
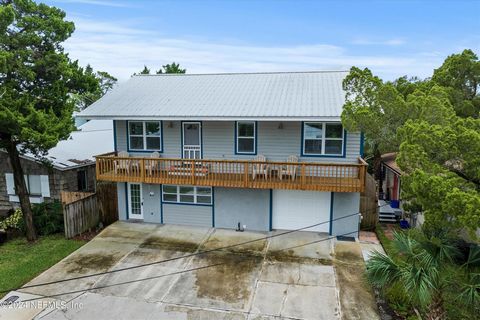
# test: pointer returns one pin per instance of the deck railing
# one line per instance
(234, 173)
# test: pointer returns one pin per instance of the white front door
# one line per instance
(192, 140)
(293, 209)
(135, 201)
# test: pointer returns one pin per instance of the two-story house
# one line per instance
(261, 151)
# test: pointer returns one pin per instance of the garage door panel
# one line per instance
(200, 216)
(298, 209)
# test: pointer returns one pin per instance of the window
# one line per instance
(187, 194)
(145, 135)
(246, 136)
(82, 180)
(321, 138)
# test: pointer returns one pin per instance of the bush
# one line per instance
(48, 218)
(15, 221)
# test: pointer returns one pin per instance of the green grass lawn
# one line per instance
(21, 261)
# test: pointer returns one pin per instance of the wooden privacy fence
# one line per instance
(107, 202)
(369, 204)
(83, 211)
(80, 215)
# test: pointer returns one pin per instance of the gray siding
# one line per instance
(345, 204)
(200, 216)
(219, 141)
(151, 203)
(250, 207)
(122, 202)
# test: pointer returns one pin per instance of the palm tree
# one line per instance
(426, 266)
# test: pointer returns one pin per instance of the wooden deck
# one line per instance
(234, 173)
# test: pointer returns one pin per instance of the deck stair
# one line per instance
(387, 214)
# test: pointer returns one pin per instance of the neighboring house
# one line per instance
(261, 151)
(389, 200)
(71, 168)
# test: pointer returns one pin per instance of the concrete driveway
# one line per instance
(268, 279)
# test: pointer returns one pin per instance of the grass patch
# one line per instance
(22, 261)
(386, 243)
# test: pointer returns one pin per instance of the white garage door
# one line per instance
(298, 209)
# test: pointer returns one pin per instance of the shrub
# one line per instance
(14, 221)
(48, 217)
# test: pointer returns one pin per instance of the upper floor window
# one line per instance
(323, 138)
(145, 135)
(246, 137)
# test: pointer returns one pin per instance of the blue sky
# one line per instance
(393, 38)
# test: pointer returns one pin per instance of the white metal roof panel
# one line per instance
(281, 95)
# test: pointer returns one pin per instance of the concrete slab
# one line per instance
(94, 257)
(152, 290)
(126, 232)
(14, 306)
(254, 281)
(298, 273)
(369, 248)
(311, 303)
(222, 238)
(269, 298)
(95, 306)
(229, 285)
(356, 296)
(298, 245)
(176, 238)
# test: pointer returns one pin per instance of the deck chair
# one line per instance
(151, 165)
(289, 170)
(260, 168)
(122, 164)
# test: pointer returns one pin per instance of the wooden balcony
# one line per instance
(234, 173)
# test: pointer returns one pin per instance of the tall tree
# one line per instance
(374, 108)
(434, 125)
(105, 83)
(37, 79)
(171, 68)
(460, 75)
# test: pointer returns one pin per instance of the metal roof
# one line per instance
(92, 138)
(228, 96)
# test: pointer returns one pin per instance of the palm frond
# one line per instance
(470, 291)
(382, 270)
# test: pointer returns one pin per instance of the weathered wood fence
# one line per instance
(81, 214)
(83, 211)
(369, 204)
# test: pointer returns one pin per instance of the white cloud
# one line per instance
(388, 42)
(122, 50)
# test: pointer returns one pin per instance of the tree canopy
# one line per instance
(168, 68)
(105, 83)
(37, 81)
(434, 125)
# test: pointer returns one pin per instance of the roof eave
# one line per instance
(209, 118)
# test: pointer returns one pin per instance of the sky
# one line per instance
(392, 38)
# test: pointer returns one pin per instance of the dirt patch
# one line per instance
(356, 296)
(232, 281)
(83, 263)
(86, 236)
(290, 256)
(155, 242)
